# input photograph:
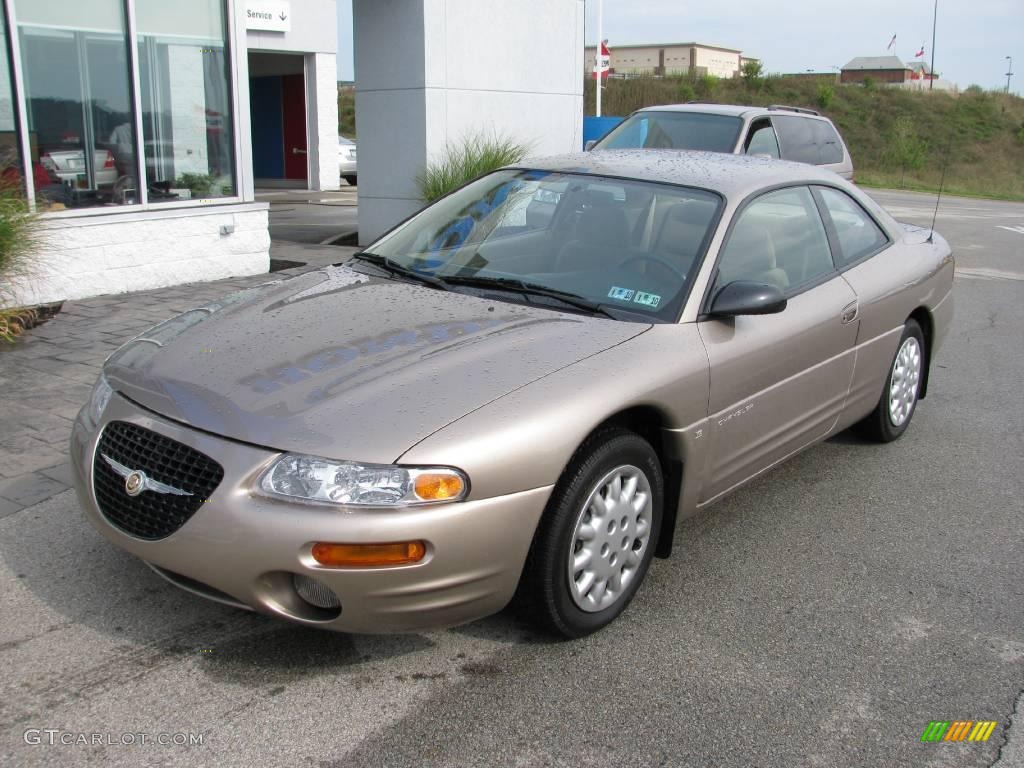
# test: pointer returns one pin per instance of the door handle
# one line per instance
(297, 151)
(850, 312)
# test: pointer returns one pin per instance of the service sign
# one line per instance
(268, 15)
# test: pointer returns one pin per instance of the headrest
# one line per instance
(684, 227)
(750, 245)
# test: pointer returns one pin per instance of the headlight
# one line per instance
(98, 399)
(308, 478)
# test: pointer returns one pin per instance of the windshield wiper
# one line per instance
(400, 270)
(516, 285)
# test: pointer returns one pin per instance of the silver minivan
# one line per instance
(791, 133)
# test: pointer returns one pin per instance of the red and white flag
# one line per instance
(604, 61)
(920, 53)
(891, 43)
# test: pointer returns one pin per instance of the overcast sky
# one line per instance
(972, 42)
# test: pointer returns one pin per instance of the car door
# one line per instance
(778, 382)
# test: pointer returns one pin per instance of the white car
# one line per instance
(347, 159)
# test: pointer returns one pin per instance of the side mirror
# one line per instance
(746, 298)
(589, 145)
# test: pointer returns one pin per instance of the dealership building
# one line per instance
(141, 129)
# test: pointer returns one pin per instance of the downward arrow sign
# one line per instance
(283, 16)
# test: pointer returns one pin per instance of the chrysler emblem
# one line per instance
(136, 481)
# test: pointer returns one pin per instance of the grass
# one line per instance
(980, 134)
(474, 156)
(347, 111)
(17, 243)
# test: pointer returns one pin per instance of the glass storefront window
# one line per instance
(187, 123)
(10, 156)
(75, 68)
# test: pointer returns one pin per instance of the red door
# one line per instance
(293, 103)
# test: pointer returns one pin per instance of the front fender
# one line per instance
(526, 438)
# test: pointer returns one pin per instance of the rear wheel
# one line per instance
(594, 544)
(898, 402)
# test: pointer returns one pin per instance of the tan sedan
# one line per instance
(515, 394)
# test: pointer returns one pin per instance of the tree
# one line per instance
(751, 72)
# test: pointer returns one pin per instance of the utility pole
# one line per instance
(598, 59)
(1009, 72)
(935, 18)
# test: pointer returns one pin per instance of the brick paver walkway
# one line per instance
(46, 376)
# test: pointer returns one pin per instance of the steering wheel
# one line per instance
(657, 260)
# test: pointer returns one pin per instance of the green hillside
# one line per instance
(898, 138)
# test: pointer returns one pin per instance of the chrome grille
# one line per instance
(150, 515)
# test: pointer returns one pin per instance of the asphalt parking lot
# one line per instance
(821, 616)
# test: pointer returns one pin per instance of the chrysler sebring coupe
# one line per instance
(514, 395)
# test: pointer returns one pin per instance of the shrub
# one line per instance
(905, 148)
(17, 243)
(825, 95)
(476, 155)
(869, 83)
(200, 184)
(686, 92)
(706, 85)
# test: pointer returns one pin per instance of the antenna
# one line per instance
(942, 180)
(938, 197)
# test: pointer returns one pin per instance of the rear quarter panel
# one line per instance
(912, 273)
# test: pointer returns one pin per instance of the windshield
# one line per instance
(628, 247)
(674, 130)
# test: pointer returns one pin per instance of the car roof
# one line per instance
(734, 110)
(734, 176)
(711, 109)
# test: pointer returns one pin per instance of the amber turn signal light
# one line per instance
(437, 486)
(368, 555)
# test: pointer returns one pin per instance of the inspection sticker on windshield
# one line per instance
(647, 299)
(622, 294)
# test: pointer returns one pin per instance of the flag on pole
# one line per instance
(920, 53)
(891, 43)
(604, 61)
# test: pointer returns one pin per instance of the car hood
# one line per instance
(340, 364)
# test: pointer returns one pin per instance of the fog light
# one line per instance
(368, 555)
(316, 593)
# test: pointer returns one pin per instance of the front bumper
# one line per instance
(243, 549)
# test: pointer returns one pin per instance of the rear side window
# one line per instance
(830, 150)
(762, 140)
(796, 137)
(858, 234)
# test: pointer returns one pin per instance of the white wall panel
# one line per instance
(430, 72)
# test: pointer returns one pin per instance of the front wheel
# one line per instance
(898, 402)
(594, 544)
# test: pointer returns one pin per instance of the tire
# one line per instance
(350, 179)
(895, 409)
(574, 605)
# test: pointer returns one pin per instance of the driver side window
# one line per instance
(779, 239)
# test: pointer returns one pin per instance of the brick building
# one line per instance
(882, 69)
